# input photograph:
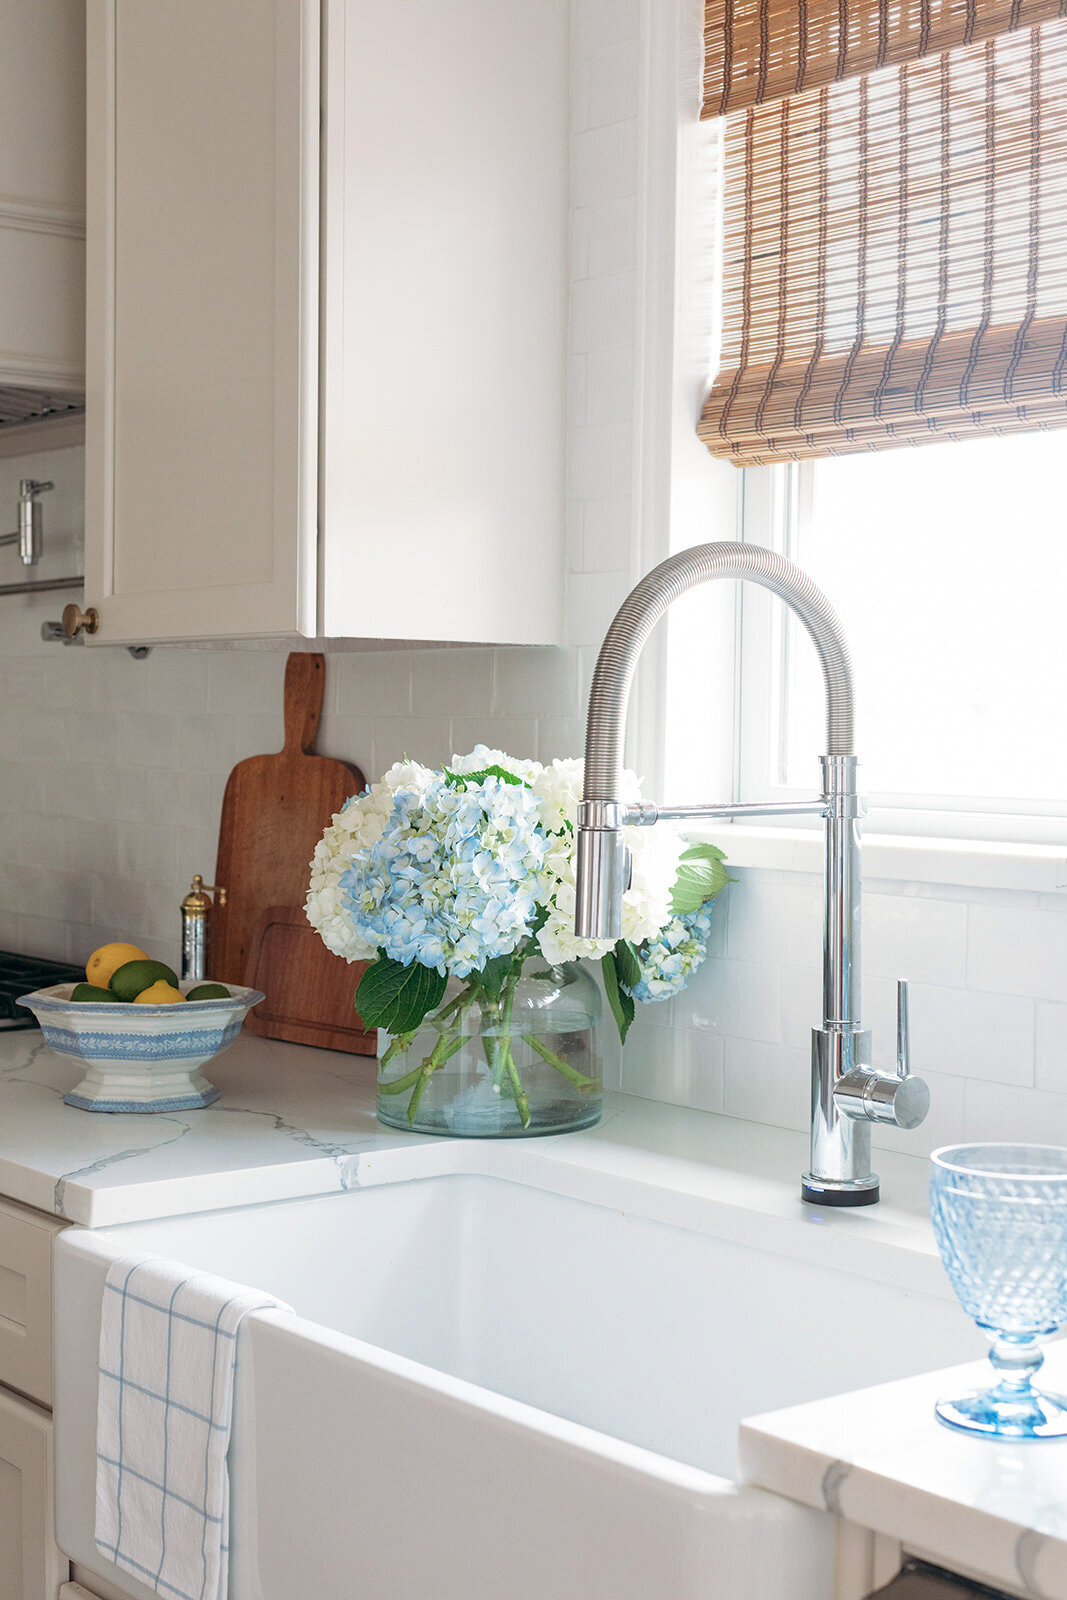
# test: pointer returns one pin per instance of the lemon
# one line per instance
(159, 994)
(103, 962)
(133, 977)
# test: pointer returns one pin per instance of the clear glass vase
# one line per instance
(499, 1067)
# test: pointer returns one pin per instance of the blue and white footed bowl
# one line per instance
(140, 1058)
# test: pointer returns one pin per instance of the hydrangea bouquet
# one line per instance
(458, 887)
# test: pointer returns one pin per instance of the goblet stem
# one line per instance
(1016, 1359)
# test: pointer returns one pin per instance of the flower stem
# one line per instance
(572, 1075)
(398, 1085)
(444, 1049)
(514, 1081)
(397, 1046)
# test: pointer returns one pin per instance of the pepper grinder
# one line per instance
(196, 909)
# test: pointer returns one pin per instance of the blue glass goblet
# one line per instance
(1000, 1216)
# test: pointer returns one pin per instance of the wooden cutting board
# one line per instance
(273, 814)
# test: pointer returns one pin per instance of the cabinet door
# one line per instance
(42, 196)
(31, 1567)
(445, 319)
(202, 338)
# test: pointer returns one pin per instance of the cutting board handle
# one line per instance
(305, 679)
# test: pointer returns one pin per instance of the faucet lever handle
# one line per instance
(903, 1030)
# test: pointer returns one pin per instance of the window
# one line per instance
(892, 376)
(948, 568)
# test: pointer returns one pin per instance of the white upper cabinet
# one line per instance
(42, 199)
(327, 309)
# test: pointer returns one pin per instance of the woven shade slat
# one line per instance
(758, 51)
(895, 256)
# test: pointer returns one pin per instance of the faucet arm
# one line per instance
(646, 813)
(644, 607)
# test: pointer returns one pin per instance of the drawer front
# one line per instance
(31, 1566)
(26, 1301)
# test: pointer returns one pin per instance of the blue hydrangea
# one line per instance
(669, 960)
(454, 879)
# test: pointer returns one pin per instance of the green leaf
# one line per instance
(395, 997)
(494, 975)
(701, 876)
(622, 1005)
(627, 964)
(460, 780)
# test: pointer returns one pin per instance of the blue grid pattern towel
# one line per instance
(168, 1343)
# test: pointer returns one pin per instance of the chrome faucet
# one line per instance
(848, 1094)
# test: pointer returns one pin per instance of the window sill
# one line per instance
(967, 863)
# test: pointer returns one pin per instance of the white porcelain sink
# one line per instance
(518, 1390)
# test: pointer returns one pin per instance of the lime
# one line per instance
(133, 977)
(208, 991)
(89, 991)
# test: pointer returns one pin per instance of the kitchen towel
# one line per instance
(168, 1349)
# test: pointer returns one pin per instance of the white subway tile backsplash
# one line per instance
(425, 739)
(559, 738)
(767, 1083)
(612, 80)
(801, 991)
(606, 534)
(604, 163)
(579, 243)
(1017, 951)
(993, 1112)
(680, 1066)
(600, 463)
(609, 387)
(515, 735)
(611, 235)
(370, 682)
(602, 313)
(592, 601)
(739, 999)
(530, 681)
(924, 941)
(452, 682)
(773, 918)
(596, 24)
(972, 1035)
(242, 681)
(1051, 1055)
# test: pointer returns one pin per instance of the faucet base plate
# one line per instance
(828, 1192)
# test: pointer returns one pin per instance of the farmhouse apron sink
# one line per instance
(519, 1379)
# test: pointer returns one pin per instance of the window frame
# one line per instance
(773, 501)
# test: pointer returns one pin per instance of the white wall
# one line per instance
(112, 770)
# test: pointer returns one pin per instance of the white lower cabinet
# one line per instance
(31, 1565)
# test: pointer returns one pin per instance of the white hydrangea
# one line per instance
(481, 757)
(655, 852)
(358, 824)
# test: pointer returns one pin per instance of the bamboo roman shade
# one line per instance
(761, 50)
(895, 240)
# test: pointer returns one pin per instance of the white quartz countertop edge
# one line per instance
(879, 1458)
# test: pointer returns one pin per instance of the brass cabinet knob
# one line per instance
(75, 620)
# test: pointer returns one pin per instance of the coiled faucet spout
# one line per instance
(603, 868)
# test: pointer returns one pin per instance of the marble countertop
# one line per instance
(879, 1458)
(294, 1122)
